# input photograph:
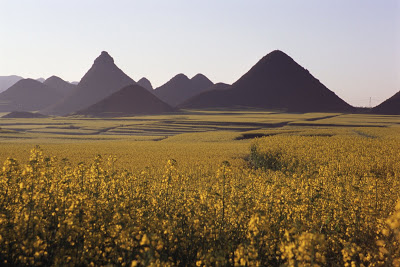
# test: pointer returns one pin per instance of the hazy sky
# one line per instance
(351, 46)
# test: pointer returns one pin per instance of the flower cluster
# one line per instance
(305, 201)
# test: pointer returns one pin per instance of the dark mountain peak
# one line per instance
(53, 79)
(276, 57)
(275, 67)
(104, 58)
(28, 95)
(180, 88)
(274, 82)
(128, 101)
(180, 77)
(144, 82)
(59, 84)
(278, 53)
(144, 79)
(100, 81)
(27, 81)
(200, 78)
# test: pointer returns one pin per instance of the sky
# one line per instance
(351, 46)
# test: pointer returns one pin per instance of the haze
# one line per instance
(352, 47)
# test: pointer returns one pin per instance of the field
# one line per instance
(205, 188)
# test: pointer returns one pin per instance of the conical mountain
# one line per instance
(180, 88)
(28, 95)
(65, 88)
(130, 100)
(102, 79)
(275, 82)
(8, 81)
(145, 83)
(390, 106)
(200, 83)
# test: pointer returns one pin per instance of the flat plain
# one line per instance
(211, 187)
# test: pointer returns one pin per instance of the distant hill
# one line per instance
(24, 114)
(60, 85)
(102, 79)
(7, 81)
(145, 83)
(390, 106)
(40, 80)
(275, 82)
(28, 95)
(214, 87)
(218, 86)
(180, 88)
(130, 100)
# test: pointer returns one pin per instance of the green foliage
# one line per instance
(270, 160)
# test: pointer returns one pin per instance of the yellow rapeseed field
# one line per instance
(313, 197)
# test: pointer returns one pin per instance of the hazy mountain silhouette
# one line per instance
(60, 85)
(102, 79)
(28, 95)
(180, 88)
(74, 83)
(214, 87)
(218, 86)
(200, 83)
(7, 81)
(145, 83)
(130, 100)
(275, 82)
(390, 106)
(40, 80)
(24, 114)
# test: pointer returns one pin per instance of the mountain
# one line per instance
(7, 81)
(200, 83)
(145, 83)
(60, 85)
(215, 87)
(275, 82)
(102, 79)
(24, 114)
(130, 100)
(40, 80)
(390, 106)
(218, 86)
(180, 88)
(28, 95)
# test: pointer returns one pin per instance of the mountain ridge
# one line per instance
(28, 95)
(99, 82)
(130, 100)
(276, 81)
(180, 88)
